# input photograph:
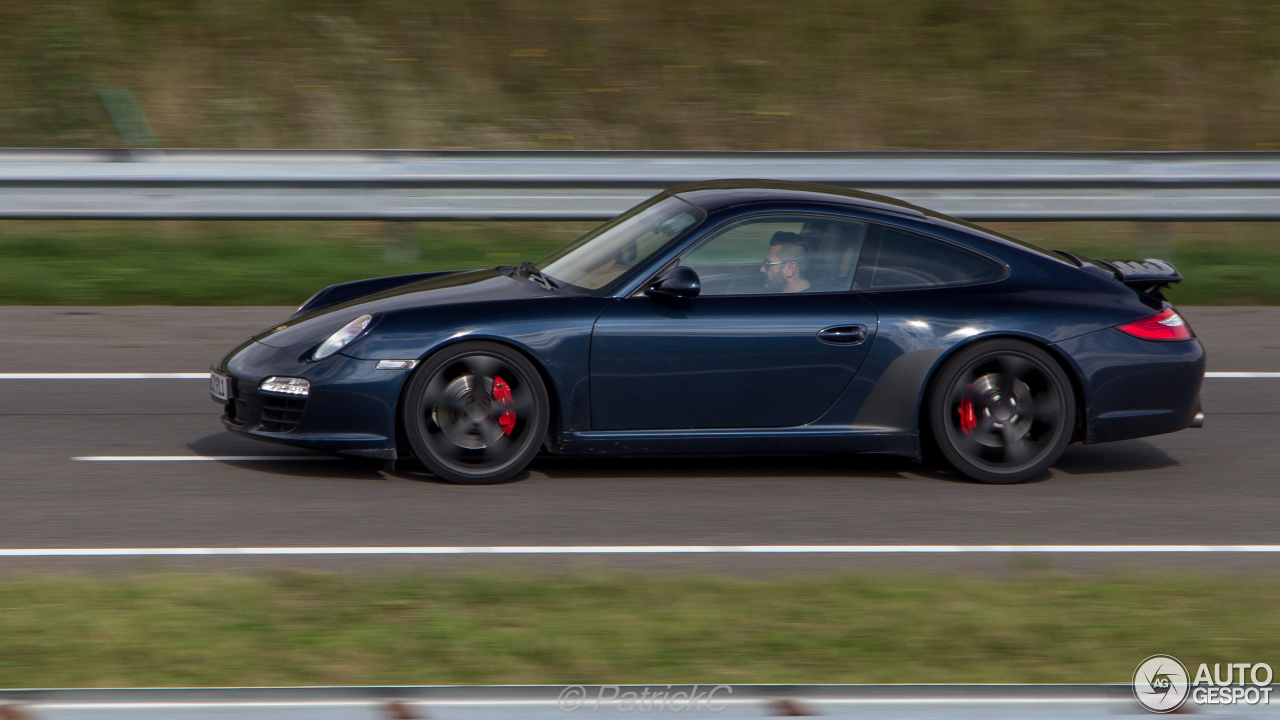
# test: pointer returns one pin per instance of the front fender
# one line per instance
(344, 292)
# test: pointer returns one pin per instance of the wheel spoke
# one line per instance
(967, 444)
(451, 450)
(521, 402)
(964, 389)
(986, 425)
(457, 431)
(432, 392)
(453, 404)
(1017, 449)
(1013, 369)
(1047, 409)
(482, 366)
(495, 440)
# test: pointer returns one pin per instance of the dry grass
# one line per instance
(734, 74)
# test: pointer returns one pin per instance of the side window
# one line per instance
(778, 254)
(899, 259)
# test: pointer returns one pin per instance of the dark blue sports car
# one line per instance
(728, 318)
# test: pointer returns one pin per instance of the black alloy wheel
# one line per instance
(476, 413)
(1002, 411)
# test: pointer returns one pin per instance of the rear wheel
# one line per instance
(476, 413)
(1002, 411)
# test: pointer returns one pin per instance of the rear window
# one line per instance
(900, 259)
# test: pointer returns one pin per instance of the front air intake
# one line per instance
(281, 413)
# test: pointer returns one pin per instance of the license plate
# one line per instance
(219, 386)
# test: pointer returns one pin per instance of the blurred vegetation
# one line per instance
(243, 263)
(320, 629)
(732, 74)
(1221, 263)
(284, 263)
(584, 74)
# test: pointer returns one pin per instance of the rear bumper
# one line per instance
(1136, 388)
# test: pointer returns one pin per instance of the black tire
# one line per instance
(476, 413)
(993, 435)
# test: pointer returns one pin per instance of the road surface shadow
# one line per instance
(312, 465)
(1129, 456)
(744, 467)
(1126, 456)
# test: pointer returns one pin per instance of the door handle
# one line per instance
(843, 334)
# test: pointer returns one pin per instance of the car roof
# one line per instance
(720, 194)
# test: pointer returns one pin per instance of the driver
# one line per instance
(784, 264)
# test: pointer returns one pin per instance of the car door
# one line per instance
(750, 351)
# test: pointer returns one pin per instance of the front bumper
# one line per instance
(350, 409)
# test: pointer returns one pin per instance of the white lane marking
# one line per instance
(214, 704)
(205, 376)
(104, 376)
(548, 701)
(1242, 375)
(633, 550)
(197, 458)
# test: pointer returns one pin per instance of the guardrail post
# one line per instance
(1155, 240)
(14, 712)
(400, 243)
(129, 117)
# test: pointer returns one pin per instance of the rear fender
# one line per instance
(912, 374)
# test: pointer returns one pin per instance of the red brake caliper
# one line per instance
(502, 393)
(968, 418)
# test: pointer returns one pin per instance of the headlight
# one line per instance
(286, 386)
(342, 338)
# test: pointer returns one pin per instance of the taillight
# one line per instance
(1165, 325)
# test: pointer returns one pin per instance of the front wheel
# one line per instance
(1002, 411)
(476, 413)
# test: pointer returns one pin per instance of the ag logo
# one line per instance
(1161, 683)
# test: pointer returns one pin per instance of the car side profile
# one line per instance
(733, 317)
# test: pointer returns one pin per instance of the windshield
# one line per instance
(604, 254)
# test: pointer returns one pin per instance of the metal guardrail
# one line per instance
(589, 185)
(726, 702)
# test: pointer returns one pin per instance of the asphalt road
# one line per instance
(1217, 485)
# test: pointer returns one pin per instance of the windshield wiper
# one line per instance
(527, 269)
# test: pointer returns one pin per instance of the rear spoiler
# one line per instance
(1147, 276)
(1144, 272)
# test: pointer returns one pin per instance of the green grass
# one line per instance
(169, 630)
(1221, 263)
(215, 263)
(732, 74)
(244, 263)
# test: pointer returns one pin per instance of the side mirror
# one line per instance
(681, 282)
